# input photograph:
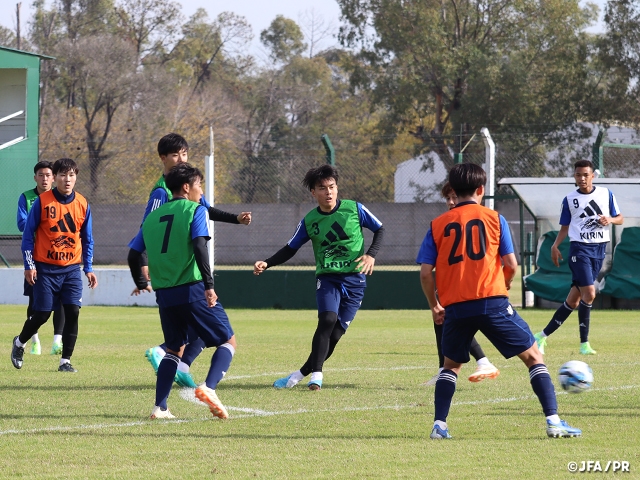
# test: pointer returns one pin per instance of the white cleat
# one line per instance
(482, 372)
(158, 414)
(208, 396)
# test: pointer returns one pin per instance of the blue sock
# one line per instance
(192, 350)
(558, 319)
(543, 388)
(445, 388)
(584, 318)
(163, 346)
(219, 365)
(166, 373)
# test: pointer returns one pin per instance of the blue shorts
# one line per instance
(585, 270)
(57, 288)
(342, 294)
(495, 318)
(211, 324)
(27, 290)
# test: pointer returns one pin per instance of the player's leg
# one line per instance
(191, 352)
(560, 315)
(71, 299)
(484, 368)
(319, 350)
(438, 331)
(154, 355)
(31, 326)
(58, 328)
(36, 348)
(587, 296)
(336, 335)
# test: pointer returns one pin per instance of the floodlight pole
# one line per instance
(209, 165)
(490, 163)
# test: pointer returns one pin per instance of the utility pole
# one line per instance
(18, 26)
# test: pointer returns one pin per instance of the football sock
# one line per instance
(192, 350)
(296, 376)
(554, 418)
(438, 330)
(475, 349)
(441, 424)
(220, 362)
(58, 321)
(18, 343)
(166, 373)
(64, 360)
(57, 338)
(316, 376)
(336, 335)
(35, 338)
(445, 388)
(320, 343)
(70, 333)
(558, 319)
(183, 367)
(584, 318)
(163, 346)
(543, 388)
(484, 361)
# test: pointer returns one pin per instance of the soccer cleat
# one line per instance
(208, 396)
(36, 349)
(541, 340)
(158, 413)
(562, 429)
(154, 357)
(439, 434)
(56, 348)
(585, 349)
(184, 379)
(432, 381)
(315, 384)
(17, 354)
(66, 367)
(482, 372)
(285, 382)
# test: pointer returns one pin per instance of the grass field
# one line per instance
(371, 420)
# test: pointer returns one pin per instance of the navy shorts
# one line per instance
(342, 294)
(27, 290)
(57, 288)
(585, 269)
(211, 324)
(496, 319)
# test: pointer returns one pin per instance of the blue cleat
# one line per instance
(184, 379)
(315, 384)
(439, 434)
(284, 383)
(154, 355)
(562, 429)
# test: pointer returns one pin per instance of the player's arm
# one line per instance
(300, 237)
(199, 239)
(509, 268)
(556, 256)
(86, 239)
(21, 217)
(218, 215)
(136, 264)
(507, 253)
(28, 242)
(428, 284)
(615, 217)
(368, 220)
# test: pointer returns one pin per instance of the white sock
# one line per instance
(35, 338)
(441, 424)
(161, 353)
(483, 361)
(296, 376)
(554, 419)
(183, 367)
(316, 376)
(542, 334)
(19, 343)
(64, 360)
(57, 339)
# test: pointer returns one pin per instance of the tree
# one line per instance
(283, 38)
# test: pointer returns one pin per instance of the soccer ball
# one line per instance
(575, 376)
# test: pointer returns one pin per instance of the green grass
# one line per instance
(371, 420)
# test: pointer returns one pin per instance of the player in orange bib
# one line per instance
(57, 239)
(471, 249)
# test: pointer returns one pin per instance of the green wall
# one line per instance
(295, 289)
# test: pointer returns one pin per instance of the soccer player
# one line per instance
(484, 368)
(585, 217)
(335, 231)
(57, 238)
(172, 150)
(175, 238)
(43, 176)
(470, 247)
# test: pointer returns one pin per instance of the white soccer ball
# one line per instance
(575, 376)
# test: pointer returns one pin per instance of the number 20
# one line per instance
(456, 228)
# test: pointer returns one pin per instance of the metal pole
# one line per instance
(490, 162)
(209, 165)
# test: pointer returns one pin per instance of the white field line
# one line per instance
(185, 393)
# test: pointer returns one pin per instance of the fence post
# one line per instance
(598, 153)
(457, 158)
(490, 163)
(331, 153)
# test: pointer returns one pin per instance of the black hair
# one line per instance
(466, 178)
(584, 163)
(42, 164)
(172, 143)
(180, 174)
(317, 174)
(446, 190)
(64, 165)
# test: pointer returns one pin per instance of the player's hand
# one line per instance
(556, 256)
(137, 291)
(93, 280)
(259, 267)
(604, 221)
(365, 264)
(30, 276)
(211, 297)
(145, 273)
(244, 218)
(437, 313)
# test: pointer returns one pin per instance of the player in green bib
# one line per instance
(335, 231)
(175, 237)
(43, 176)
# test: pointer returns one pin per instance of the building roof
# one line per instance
(26, 53)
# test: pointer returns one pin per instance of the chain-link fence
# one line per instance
(398, 180)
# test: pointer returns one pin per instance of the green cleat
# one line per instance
(35, 348)
(56, 348)
(585, 349)
(541, 340)
(184, 379)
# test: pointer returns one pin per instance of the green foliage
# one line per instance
(283, 38)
